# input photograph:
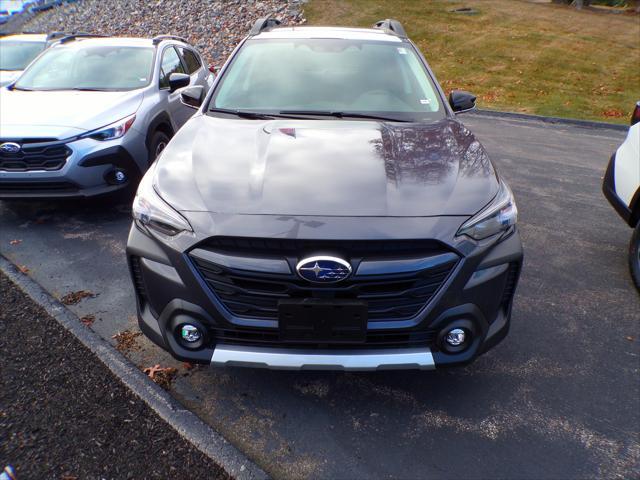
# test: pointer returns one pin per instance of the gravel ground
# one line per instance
(214, 26)
(64, 415)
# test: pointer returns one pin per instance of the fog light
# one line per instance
(190, 333)
(116, 176)
(455, 337)
(120, 176)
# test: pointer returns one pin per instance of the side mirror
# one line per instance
(635, 117)
(462, 101)
(192, 96)
(178, 80)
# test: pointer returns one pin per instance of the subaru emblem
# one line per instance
(9, 147)
(323, 269)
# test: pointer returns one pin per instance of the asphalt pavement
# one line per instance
(559, 398)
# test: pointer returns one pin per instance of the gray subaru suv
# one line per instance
(90, 114)
(325, 209)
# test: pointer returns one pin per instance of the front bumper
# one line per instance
(477, 295)
(86, 172)
(299, 359)
(609, 191)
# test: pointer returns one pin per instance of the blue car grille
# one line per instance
(35, 156)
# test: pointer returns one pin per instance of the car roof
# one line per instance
(117, 42)
(26, 37)
(375, 34)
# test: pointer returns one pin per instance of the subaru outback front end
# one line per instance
(325, 213)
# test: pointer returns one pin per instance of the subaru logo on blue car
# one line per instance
(323, 269)
(9, 147)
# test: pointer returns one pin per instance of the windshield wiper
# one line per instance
(323, 113)
(80, 89)
(61, 89)
(242, 113)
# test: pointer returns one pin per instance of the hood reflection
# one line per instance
(326, 168)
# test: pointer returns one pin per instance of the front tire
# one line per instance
(157, 144)
(634, 256)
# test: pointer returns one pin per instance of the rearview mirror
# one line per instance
(192, 96)
(178, 80)
(462, 101)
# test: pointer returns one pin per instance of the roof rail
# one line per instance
(391, 27)
(262, 24)
(159, 38)
(56, 35)
(73, 36)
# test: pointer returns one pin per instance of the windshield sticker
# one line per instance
(402, 51)
(425, 101)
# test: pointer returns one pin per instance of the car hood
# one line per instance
(8, 76)
(325, 168)
(62, 113)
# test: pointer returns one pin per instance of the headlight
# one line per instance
(152, 212)
(113, 131)
(497, 217)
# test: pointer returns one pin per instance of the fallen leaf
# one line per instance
(23, 268)
(76, 297)
(163, 376)
(88, 320)
(126, 340)
(613, 113)
(151, 371)
(188, 365)
(15, 242)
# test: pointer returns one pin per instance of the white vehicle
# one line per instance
(18, 50)
(621, 186)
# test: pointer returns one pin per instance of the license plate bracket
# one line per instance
(315, 320)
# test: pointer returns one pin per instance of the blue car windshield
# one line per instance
(110, 68)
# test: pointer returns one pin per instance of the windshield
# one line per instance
(329, 75)
(89, 68)
(16, 55)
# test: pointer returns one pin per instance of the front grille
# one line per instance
(300, 247)
(37, 187)
(375, 339)
(35, 156)
(390, 297)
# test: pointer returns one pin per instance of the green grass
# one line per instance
(516, 55)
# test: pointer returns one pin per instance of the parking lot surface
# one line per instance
(557, 399)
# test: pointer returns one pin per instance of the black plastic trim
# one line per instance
(391, 27)
(609, 191)
(262, 24)
(117, 156)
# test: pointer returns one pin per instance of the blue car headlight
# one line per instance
(112, 131)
